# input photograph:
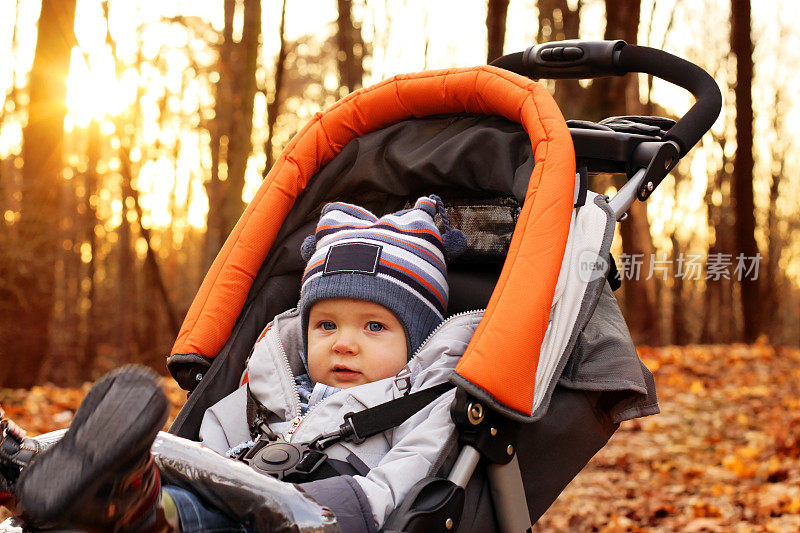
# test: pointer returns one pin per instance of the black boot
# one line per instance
(16, 452)
(101, 475)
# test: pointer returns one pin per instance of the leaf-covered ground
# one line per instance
(723, 455)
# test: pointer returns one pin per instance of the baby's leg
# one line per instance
(101, 474)
(195, 516)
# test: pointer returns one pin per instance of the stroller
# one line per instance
(551, 370)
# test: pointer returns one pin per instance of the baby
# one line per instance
(373, 291)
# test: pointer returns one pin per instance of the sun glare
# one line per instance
(92, 89)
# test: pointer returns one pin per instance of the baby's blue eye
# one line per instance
(327, 325)
(375, 326)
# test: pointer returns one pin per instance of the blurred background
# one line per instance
(132, 135)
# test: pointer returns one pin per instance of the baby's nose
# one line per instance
(345, 343)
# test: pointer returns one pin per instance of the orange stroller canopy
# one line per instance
(503, 356)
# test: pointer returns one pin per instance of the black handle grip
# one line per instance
(594, 59)
(699, 119)
(566, 59)
(574, 59)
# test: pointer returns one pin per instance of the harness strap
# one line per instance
(257, 416)
(357, 464)
(364, 424)
(357, 427)
(352, 466)
(272, 456)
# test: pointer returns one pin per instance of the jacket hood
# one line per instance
(278, 357)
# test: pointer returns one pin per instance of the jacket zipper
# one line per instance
(300, 419)
(288, 368)
(440, 326)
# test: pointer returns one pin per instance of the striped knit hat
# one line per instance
(396, 261)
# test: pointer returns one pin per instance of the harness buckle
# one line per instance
(348, 430)
(284, 460)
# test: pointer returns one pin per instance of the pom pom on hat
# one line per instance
(455, 243)
(308, 247)
(453, 240)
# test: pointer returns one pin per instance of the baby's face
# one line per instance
(352, 342)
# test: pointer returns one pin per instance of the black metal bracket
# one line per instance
(492, 434)
(432, 505)
(658, 158)
(435, 504)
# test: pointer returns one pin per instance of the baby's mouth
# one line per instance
(344, 373)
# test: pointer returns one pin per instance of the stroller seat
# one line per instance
(551, 369)
(551, 364)
(480, 164)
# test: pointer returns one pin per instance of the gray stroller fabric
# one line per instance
(605, 360)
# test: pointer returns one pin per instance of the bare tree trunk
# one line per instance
(719, 320)
(496, 13)
(240, 145)
(772, 287)
(742, 47)
(151, 261)
(10, 296)
(641, 297)
(612, 95)
(729, 330)
(680, 333)
(38, 225)
(351, 48)
(129, 192)
(557, 20)
(274, 107)
(648, 106)
(66, 332)
(619, 96)
(427, 39)
(774, 278)
(233, 124)
(711, 296)
(127, 297)
(678, 308)
(90, 217)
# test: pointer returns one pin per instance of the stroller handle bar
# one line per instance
(578, 59)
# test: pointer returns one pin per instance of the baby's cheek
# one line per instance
(392, 367)
(315, 365)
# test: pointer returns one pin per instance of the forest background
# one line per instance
(132, 135)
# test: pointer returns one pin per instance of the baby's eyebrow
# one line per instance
(375, 318)
(321, 318)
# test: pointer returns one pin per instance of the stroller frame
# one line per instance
(489, 428)
(646, 162)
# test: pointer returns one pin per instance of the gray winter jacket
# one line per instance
(397, 459)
